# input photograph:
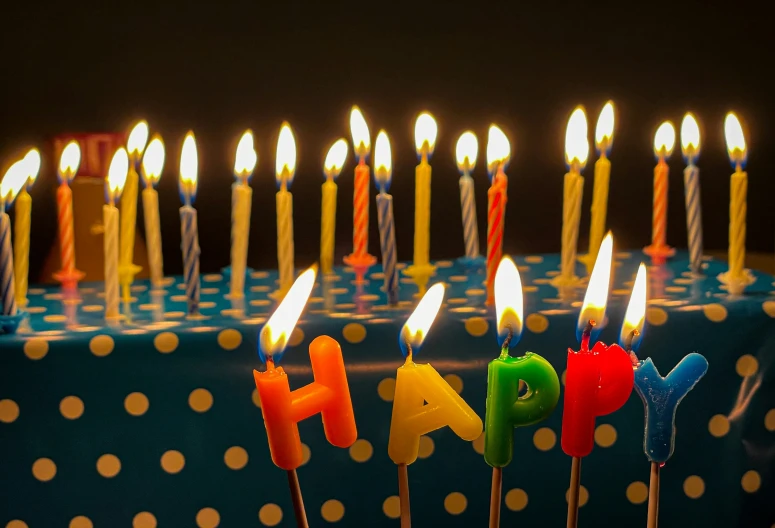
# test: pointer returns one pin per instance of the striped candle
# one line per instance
(285, 249)
(659, 214)
(241, 198)
(153, 235)
(468, 208)
(66, 236)
(496, 217)
(110, 247)
(738, 202)
(571, 215)
(21, 244)
(387, 239)
(690, 147)
(190, 239)
(7, 291)
(361, 210)
(332, 166)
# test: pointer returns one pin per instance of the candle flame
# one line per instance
(466, 151)
(335, 158)
(733, 132)
(119, 166)
(32, 162)
(596, 297)
(416, 328)
(425, 132)
(690, 137)
(246, 157)
(509, 304)
(138, 138)
(189, 168)
(69, 161)
(12, 183)
(360, 133)
(285, 166)
(153, 161)
(636, 312)
(576, 142)
(498, 149)
(664, 140)
(277, 331)
(604, 131)
(383, 161)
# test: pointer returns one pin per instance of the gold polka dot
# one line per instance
(229, 339)
(478, 444)
(605, 435)
(44, 469)
(173, 462)
(751, 481)
(235, 458)
(354, 332)
(769, 308)
(534, 259)
(71, 407)
(305, 454)
(136, 403)
(718, 425)
(537, 323)
(16, 524)
(108, 465)
(166, 342)
(769, 420)
(715, 312)
(637, 492)
(455, 503)
(562, 377)
(476, 326)
(36, 348)
(297, 336)
(56, 318)
(457, 300)
(9, 411)
(144, 520)
(386, 389)
(694, 487)
(473, 292)
(101, 345)
(361, 450)
(81, 522)
(746, 365)
(454, 381)
(332, 510)
(93, 308)
(544, 439)
(516, 499)
(256, 398)
(656, 316)
(392, 507)
(208, 518)
(426, 447)
(270, 515)
(583, 496)
(200, 400)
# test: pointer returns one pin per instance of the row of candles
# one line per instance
(147, 158)
(599, 380)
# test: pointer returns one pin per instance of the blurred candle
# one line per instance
(22, 226)
(690, 147)
(360, 257)
(10, 186)
(664, 141)
(285, 169)
(604, 137)
(69, 161)
(187, 184)
(332, 166)
(135, 145)
(241, 197)
(738, 205)
(465, 154)
(153, 163)
(383, 175)
(498, 156)
(425, 132)
(114, 184)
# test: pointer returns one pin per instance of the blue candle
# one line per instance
(188, 222)
(387, 235)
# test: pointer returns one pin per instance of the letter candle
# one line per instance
(69, 161)
(498, 155)
(604, 138)
(135, 145)
(328, 395)
(598, 380)
(13, 181)
(114, 184)
(465, 155)
(660, 396)
(690, 147)
(245, 160)
(153, 163)
(425, 133)
(360, 259)
(415, 385)
(664, 141)
(189, 234)
(332, 166)
(505, 408)
(22, 225)
(383, 175)
(285, 169)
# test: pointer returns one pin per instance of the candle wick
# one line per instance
(269, 363)
(408, 352)
(587, 334)
(509, 336)
(628, 347)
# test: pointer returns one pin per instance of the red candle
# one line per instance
(498, 154)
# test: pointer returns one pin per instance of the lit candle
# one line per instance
(498, 156)
(332, 166)
(135, 146)
(664, 141)
(153, 163)
(69, 161)
(114, 184)
(690, 147)
(465, 155)
(383, 175)
(360, 258)
(285, 169)
(189, 233)
(604, 137)
(11, 184)
(22, 225)
(241, 197)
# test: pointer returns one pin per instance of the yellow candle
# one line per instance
(22, 224)
(425, 132)
(153, 162)
(242, 196)
(331, 168)
(738, 205)
(603, 140)
(138, 138)
(285, 168)
(115, 182)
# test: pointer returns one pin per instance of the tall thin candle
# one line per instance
(664, 141)
(360, 258)
(383, 175)
(690, 146)
(13, 181)
(332, 166)
(114, 184)
(604, 137)
(69, 161)
(241, 198)
(153, 163)
(188, 182)
(285, 169)
(22, 226)
(465, 154)
(135, 145)
(498, 156)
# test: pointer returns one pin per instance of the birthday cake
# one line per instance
(154, 419)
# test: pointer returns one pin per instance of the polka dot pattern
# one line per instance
(391, 507)
(516, 499)
(361, 450)
(454, 381)
(455, 503)
(386, 389)
(427, 446)
(583, 496)
(44, 469)
(354, 333)
(544, 439)
(297, 337)
(769, 308)
(537, 323)
(144, 520)
(166, 342)
(81, 522)
(751, 481)
(16, 524)
(35, 348)
(208, 518)
(746, 365)
(173, 462)
(71, 407)
(656, 316)
(715, 312)
(108, 465)
(332, 511)
(270, 515)
(101, 345)
(478, 444)
(637, 492)
(235, 458)
(229, 339)
(476, 326)
(769, 420)
(200, 400)
(136, 404)
(605, 435)
(694, 487)
(9, 411)
(718, 425)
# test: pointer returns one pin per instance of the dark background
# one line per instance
(221, 67)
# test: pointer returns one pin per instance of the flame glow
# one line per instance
(466, 151)
(360, 133)
(383, 161)
(509, 304)
(690, 137)
(137, 140)
(498, 149)
(733, 132)
(576, 141)
(425, 132)
(285, 166)
(12, 183)
(416, 328)
(32, 162)
(245, 158)
(189, 167)
(596, 297)
(604, 131)
(636, 311)
(153, 161)
(335, 158)
(275, 334)
(664, 140)
(119, 166)
(69, 161)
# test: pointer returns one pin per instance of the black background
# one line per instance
(221, 67)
